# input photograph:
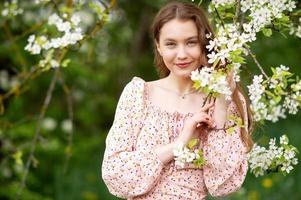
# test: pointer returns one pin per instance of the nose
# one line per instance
(182, 54)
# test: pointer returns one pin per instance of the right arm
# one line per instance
(128, 172)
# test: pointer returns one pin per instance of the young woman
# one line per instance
(153, 118)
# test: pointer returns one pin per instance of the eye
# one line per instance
(192, 43)
(170, 44)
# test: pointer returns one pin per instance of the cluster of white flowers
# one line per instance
(209, 79)
(229, 41)
(262, 12)
(265, 104)
(278, 77)
(50, 124)
(296, 30)
(256, 90)
(293, 101)
(49, 61)
(275, 158)
(11, 9)
(184, 155)
(71, 35)
(222, 2)
(7, 82)
(41, 1)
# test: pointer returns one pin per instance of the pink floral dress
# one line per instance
(132, 170)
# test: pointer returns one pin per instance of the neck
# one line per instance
(179, 84)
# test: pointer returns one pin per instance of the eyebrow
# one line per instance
(189, 38)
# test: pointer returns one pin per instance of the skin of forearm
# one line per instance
(164, 152)
(220, 111)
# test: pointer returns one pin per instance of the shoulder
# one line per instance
(139, 84)
(136, 85)
(151, 85)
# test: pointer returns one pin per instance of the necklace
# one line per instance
(182, 96)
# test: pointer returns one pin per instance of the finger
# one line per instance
(207, 106)
(207, 120)
(211, 110)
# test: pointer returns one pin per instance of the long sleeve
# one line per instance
(129, 172)
(225, 154)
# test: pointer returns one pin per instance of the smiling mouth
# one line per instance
(184, 64)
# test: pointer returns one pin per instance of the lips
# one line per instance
(183, 64)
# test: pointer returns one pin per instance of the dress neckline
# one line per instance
(157, 108)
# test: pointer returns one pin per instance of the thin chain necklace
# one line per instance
(182, 96)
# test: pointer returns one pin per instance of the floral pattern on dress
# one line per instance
(132, 170)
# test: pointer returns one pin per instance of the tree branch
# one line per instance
(256, 62)
(70, 115)
(37, 132)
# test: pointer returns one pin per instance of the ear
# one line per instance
(158, 48)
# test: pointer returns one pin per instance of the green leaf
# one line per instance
(267, 32)
(199, 162)
(196, 84)
(18, 157)
(269, 93)
(192, 143)
(230, 130)
(65, 62)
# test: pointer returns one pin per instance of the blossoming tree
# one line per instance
(54, 31)
(272, 97)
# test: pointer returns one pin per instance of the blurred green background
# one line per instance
(96, 75)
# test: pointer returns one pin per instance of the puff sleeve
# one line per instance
(225, 154)
(129, 172)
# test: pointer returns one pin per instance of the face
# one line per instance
(179, 47)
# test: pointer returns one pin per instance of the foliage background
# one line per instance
(96, 76)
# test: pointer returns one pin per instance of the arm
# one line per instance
(225, 156)
(128, 172)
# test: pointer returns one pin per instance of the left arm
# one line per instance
(225, 154)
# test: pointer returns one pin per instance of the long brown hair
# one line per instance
(189, 11)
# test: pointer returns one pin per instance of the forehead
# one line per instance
(178, 29)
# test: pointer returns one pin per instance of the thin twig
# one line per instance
(13, 90)
(37, 132)
(256, 62)
(18, 54)
(237, 11)
(70, 115)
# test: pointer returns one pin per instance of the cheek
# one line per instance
(196, 53)
(168, 55)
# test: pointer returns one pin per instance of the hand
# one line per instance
(195, 123)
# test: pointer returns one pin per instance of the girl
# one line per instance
(154, 118)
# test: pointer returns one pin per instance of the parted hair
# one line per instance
(189, 11)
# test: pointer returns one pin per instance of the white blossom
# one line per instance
(67, 125)
(275, 158)
(214, 81)
(71, 35)
(49, 123)
(222, 2)
(11, 9)
(75, 19)
(41, 1)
